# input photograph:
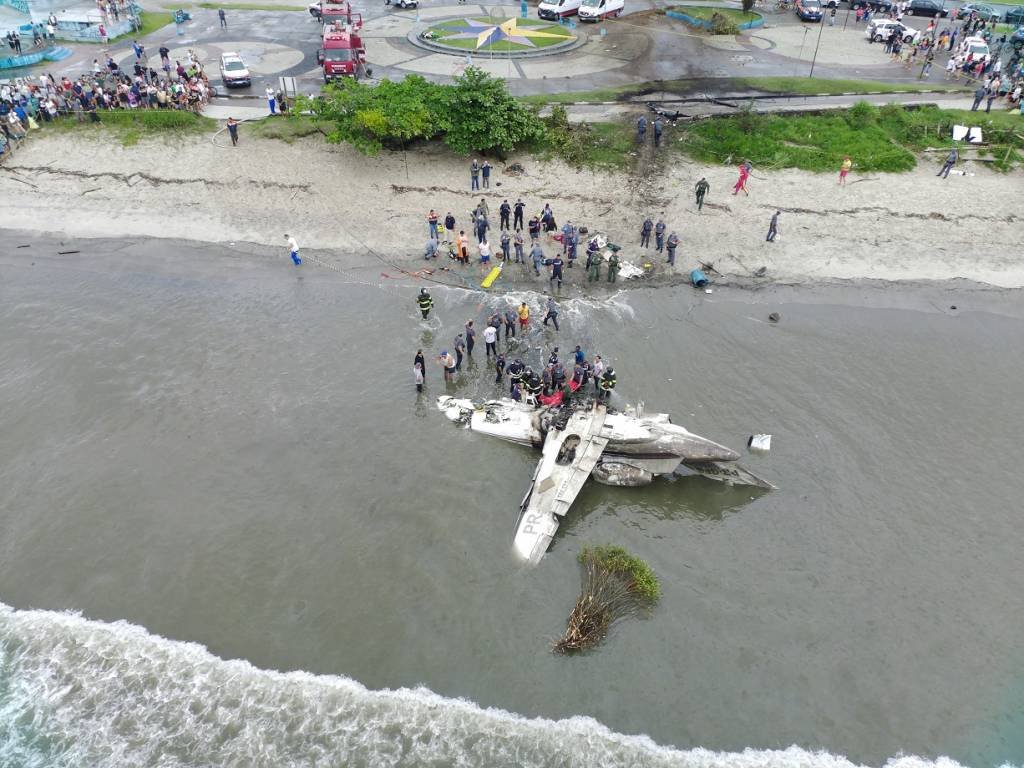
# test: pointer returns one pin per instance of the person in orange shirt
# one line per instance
(463, 247)
(524, 316)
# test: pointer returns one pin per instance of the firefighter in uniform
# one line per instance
(515, 373)
(607, 384)
(425, 302)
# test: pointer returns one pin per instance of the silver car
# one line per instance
(233, 71)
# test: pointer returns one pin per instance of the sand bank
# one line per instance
(912, 226)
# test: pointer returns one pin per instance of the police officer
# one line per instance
(516, 371)
(510, 324)
(659, 236)
(517, 218)
(503, 213)
(556, 271)
(547, 378)
(657, 131)
(425, 302)
(607, 384)
(558, 375)
(593, 269)
(641, 129)
(645, 233)
(499, 368)
(673, 243)
(506, 245)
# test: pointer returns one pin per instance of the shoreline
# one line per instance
(356, 209)
(953, 297)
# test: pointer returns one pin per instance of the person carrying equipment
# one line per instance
(425, 302)
(607, 384)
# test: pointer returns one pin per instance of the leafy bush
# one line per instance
(721, 25)
(862, 114)
(474, 114)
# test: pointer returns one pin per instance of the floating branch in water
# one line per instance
(615, 584)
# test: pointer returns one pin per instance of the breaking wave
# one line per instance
(75, 692)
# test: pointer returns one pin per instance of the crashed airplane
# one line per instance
(584, 438)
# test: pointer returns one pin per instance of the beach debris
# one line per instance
(761, 272)
(774, 317)
(760, 443)
(515, 169)
(698, 278)
(614, 586)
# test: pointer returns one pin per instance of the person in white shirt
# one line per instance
(491, 340)
(485, 252)
(271, 100)
(293, 247)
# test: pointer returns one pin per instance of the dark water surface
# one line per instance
(230, 452)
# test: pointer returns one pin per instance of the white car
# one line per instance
(553, 10)
(977, 46)
(233, 71)
(596, 10)
(879, 31)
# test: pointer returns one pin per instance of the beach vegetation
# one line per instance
(130, 126)
(475, 113)
(614, 585)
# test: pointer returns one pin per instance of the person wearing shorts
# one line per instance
(844, 169)
(524, 316)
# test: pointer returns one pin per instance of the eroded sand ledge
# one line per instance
(910, 226)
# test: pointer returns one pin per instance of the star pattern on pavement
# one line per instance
(486, 33)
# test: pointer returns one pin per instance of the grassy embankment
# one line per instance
(130, 126)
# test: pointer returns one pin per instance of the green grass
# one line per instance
(286, 129)
(151, 22)
(705, 13)
(805, 85)
(130, 126)
(883, 139)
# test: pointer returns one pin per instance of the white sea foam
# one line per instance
(75, 692)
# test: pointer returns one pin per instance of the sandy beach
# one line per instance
(351, 208)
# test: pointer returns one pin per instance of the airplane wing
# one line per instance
(572, 449)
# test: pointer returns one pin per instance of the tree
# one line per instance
(480, 115)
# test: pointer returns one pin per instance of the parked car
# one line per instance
(233, 71)
(553, 10)
(985, 12)
(808, 10)
(879, 31)
(875, 5)
(926, 8)
(596, 10)
(1015, 16)
(977, 46)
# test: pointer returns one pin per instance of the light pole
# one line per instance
(821, 28)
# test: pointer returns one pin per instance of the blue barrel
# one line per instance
(698, 278)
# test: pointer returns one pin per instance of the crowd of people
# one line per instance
(555, 382)
(965, 59)
(29, 103)
(562, 244)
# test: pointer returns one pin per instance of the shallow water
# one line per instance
(230, 452)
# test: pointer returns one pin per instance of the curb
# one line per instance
(702, 24)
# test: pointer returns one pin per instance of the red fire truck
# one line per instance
(342, 53)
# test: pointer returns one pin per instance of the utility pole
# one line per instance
(821, 28)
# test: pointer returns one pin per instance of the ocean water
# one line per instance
(213, 465)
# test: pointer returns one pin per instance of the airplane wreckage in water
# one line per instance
(582, 438)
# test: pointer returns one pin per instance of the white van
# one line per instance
(596, 10)
(553, 10)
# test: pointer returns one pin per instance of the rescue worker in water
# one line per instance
(607, 384)
(425, 302)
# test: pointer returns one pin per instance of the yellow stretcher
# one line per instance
(493, 275)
